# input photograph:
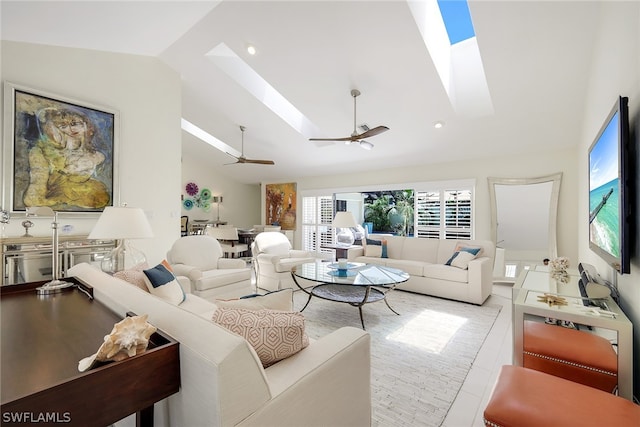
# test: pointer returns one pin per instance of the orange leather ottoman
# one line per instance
(574, 355)
(527, 398)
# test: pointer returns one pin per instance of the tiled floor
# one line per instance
(468, 407)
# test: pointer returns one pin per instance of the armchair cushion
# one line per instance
(274, 335)
(224, 263)
(217, 278)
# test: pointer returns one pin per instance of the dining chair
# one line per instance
(229, 240)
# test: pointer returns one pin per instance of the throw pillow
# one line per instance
(471, 250)
(276, 300)
(134, 275)
(162, 283)
(274, 335)
(462, 260)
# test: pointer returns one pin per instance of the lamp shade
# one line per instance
(344, 220)
(121, 223)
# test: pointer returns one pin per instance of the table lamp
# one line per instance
(120, 224)
(343, 221)
(217, 200)
(55, 285)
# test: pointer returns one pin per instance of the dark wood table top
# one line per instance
(44, 338)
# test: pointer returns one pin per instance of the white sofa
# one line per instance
(223, 382)
(424, 260)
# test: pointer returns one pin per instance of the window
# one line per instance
(317, 215)
(444, 214)
(441, 210)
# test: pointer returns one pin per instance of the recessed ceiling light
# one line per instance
(438, 124)
(251, 49)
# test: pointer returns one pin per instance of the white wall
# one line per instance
(615, 71)
(241, 202)
(147, 95)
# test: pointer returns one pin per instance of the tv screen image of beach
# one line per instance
(604, 190)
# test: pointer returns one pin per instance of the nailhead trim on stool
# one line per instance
(566, 362)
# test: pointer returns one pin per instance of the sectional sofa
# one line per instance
(425, 261)
(223, 382)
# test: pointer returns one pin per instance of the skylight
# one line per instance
(457, 20)
(205, 136)
(457, 59)
(230, 63)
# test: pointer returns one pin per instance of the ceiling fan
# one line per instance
(355, 136)
(243, 159)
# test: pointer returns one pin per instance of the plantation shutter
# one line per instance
(317, 215)
(444, 214)
(457, 214)
(428, 215)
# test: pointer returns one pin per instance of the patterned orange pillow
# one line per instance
(274, 335)
(135, 276)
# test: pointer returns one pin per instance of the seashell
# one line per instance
(128, 338)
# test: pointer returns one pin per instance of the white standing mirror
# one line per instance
(523, 222)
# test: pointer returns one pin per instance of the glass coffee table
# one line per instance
(357, 285)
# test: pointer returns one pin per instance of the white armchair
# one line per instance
(200, 258)
(273, 259)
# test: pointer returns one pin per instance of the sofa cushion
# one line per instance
(418, 249)
(162, 283)
(275, 335)
(414, 268)
(446, 272)
(277, 300)
(211, 279)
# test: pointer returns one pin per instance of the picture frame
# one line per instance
(280, 205)
(58, 152)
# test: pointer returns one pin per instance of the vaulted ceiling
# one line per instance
(536, 58)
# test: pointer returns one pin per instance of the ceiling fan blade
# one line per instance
(372, 132)
(259, 162)
(346, 138)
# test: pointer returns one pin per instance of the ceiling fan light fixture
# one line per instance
(366, 145)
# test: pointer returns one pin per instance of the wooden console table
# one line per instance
(43, 338)
(532, 284)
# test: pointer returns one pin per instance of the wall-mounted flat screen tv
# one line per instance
(609, 193)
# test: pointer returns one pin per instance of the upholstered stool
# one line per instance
(578, 356)
(524, 397)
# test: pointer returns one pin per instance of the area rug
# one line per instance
(419, 359)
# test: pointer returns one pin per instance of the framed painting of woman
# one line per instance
(58, 152)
